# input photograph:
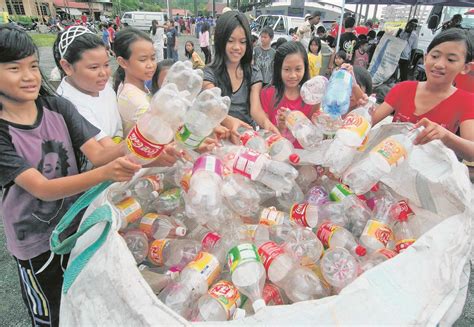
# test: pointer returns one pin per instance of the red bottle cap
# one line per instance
(375, 188)
(294, 158)
(403, 216)
(360, 250)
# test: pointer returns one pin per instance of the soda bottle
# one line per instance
(286, 199)
(349, 137)
(208, 111)
(170, 104)
(161, 226)
(279, 147)
(252, 139)
(377, 258)
(303, 243)
(172, 252)
(307, 176)
(132, 209)
(206, 237)
(302, 129)
(332, 236)
(339, 267)
(273, 295)
(169, 201)
(137, 243)
(313, 90)
(317, 196)
(218, 304)
(384, 157)
(327, 124)
(187, 79)
(337, 97)
(304, 214)
(156, 280)
(404, 237)
(241, 195)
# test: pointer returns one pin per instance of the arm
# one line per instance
(256, 110)
(381, 112)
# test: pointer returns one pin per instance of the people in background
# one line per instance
(263, 55)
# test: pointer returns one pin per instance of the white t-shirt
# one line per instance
(101, 111)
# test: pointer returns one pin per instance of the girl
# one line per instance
(340, 59)
(40, 135)
(436, 104)
(156, 34)
(160, 74)
(85, 65)
(314, 56)
(361, 54)
(136, 58)
(204, 42)
(232, 72)
(290, 71)
(193, 55)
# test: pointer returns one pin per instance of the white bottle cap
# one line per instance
(239, 314)
(155, 194)
(181, 231)
(258, 304)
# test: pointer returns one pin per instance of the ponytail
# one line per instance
(119, 77)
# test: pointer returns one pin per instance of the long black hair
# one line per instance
(75, 50)
(454, 35)
(16, 45)
(122, 48)
(154, 26)
(186, 52)
(286, 49)
(226, 24)
(318, 43)
(162, 65)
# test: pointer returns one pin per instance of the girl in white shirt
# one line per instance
(204, 42)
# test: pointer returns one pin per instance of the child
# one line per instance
(290, 71)
(232, 72)
(204, 42)
(193, 55)
(361, 54)
(314, 56)
(105, 37)
(160, 74)
(264, 54)
(339, 59)
(156, 35)
(40, 135)
(348, 39)
(111, 32)
(136, 58)
(172, 42)
(254, 40)
(436, 104)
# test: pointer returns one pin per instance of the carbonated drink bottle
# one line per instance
(303, 129)
(333, 236)
(170, 104)
(187, 79)
(252, 139)
(172, 252)
(377, 258)
(159, 227)
(218, 304)
(137, 243)
(339, 268)
(313, 90)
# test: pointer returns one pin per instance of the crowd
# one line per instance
(55, 145)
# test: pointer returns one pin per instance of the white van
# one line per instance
(280, 24)
(142, 19)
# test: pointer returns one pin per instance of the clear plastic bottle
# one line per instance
(302, 243)
(384, 157)
(333, 236)
(337, 97)
(218, 304)
(377, 258)
(129, 210)
(303, 129)
(159, 227)
(317, 196)
(170, 104)
(252, 139)
(286, 199)
(187, 79)
(173, 252)
(313, 90)
(273, 295)
(304, 214)
(339, 268)
(279, 147)
(155, 279)
(208, 239)
(169, 201)
(307, 176)
(137, 243)
(404, 237)
(241, 195)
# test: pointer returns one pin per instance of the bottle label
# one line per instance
(249, 230)
(271, 216)
(363, 146)
(247, 135)
(268, 252)
(272, 294)
(242, 253)
(387, 253)
(155, 252)
(402, 245)
(245, 161)
(171, 195)
(356, 124)
(325, 232)
(185, 136)
(146, 223)
(378, 230)
(209, 240)
(298, 214)
(227, 295)
(208, 163)
(130, 210)
(141, 147)
(339, 192)
(156, 181)
(185, 181)
(391, 150)
(272, 139)
(295, 117)
(404, 207)
(207, 265)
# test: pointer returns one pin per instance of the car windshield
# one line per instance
(467, 14)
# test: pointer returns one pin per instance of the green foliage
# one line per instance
(43, 40)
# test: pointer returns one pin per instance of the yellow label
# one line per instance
(228, 296)
(155, 252)
(146, 223)
(207, 265)
(130, 209)
(391, 150)
(294, 117)
(379, 231)
(356, 124)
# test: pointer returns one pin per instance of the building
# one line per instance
(395, 13)
(35, 8)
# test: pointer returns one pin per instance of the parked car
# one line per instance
(142, 19)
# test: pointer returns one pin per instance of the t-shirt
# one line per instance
(314, 62)
(240, 99)
(48, 145)
(347, 43)
(466, 81)
(132, 103)
(264, 58)
(197, 61)
(412, 43)
(204, 39)
(449, 113)
(105, 37)
(171, 37)
(111, 32)
(361, 59)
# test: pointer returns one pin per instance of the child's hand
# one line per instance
(221, 132)
(432, 131)
(120, 170)
(208, 145)
(281, 119)
(234, 126)
(270, 127)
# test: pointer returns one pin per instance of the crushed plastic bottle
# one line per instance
(302, 129)
(187, 79)
(313, 90)
(170, 104)
(337, 97)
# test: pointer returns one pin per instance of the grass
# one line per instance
(43, 40)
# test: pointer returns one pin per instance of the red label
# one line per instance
(404, 207)
(210, 240)
(268, 252)
(272, 139)
(389, 254)
(155, 252)
(141, 147)
(325, 232)
(272, 294)
(403, 245)
(247, 135)
(245, 161)
(298, 214)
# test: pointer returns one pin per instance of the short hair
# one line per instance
(341, 54)
(454, 35)
(349, 22)
(363, 78)
(267, 30)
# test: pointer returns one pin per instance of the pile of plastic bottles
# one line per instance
(258, 224)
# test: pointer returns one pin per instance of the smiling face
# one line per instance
(292, 70)
(141, 65)
(445, 61)
(236, 45)
(91, 73)
(20, 80)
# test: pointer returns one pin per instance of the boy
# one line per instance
(264, 54)
(348, 38)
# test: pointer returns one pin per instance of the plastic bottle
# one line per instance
(156, 280)
(304, 214)
(333, 236)
(172, 252)
(161, 226)
(170, 104)
(206, 237)
(137, 243)
(286, 199)
(384, 157)
(317, 196)
(169, 201)
(302, 243)
(187, 79)
(218, 304)
(307, 176)
(313, 90)
(302, 129)
(327, 124)
(208, 110)
(337, 97)
(404, 237)
(377, 258)
(241, 195)
(279, 147)
(252, 139)
(132, 209)
(339, 267)
(349, 137)
(273, 295)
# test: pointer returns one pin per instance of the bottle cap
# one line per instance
(403, 216)
(154, 194)
(375, 188)
(239, 314)
(294, 158)
(258, 305)
(360, 250)
(181, 231)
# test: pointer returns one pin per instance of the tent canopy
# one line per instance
(458, 3)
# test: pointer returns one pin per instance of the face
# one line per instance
(292, 70)
(141, 65)
(91, 73)
(161, 77)
(410, 27)
(189, 47)
(265, 39)
(353, 101)
(236, 45)
(338, 61)
(314, 47)
(445, 61)
(21, 79)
